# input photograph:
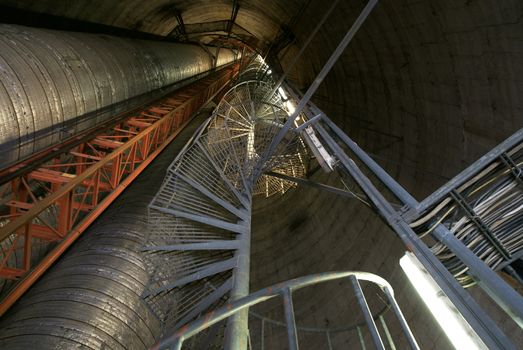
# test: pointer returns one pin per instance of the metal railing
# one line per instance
(285, 290)
(326, 332)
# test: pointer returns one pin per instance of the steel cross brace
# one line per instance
(514, 169)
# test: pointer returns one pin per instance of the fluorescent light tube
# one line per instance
(457, 329)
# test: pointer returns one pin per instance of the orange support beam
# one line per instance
(54, 199)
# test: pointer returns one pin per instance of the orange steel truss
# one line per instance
(52, 203)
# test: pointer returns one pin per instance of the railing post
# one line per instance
(292, 333)
(403, 323)
(376, 339)
(329, 342)
(236, 334)
(387, 333)
(262, 340)
(177, 344)
(360, 337)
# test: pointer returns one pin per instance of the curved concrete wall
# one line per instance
(49, 78)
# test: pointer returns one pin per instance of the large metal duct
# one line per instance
(92, 298)
(54, 84)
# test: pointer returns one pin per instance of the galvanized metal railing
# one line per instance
(326, 332)
(285, 290)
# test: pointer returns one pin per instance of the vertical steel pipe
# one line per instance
(371, 325)
(292, 333)
(403, 323)
(236, 334)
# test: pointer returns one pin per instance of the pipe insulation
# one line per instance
(54, 84)
(92, 297)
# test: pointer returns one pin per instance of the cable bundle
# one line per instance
(485, 213)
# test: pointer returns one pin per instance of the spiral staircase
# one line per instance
(200, 218)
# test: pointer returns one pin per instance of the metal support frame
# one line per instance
(493, 284)
(234, 13)
(471, 311)
(81, 181)
(181, 24)
(514, 169)
(309, 122)
(237, 39)
(482, 227)
(377, 170)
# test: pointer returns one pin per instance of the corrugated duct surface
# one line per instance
(51, 82)
(91, 299)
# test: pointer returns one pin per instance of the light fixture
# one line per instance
(290, 107)
(456, 328)
(282, 93)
